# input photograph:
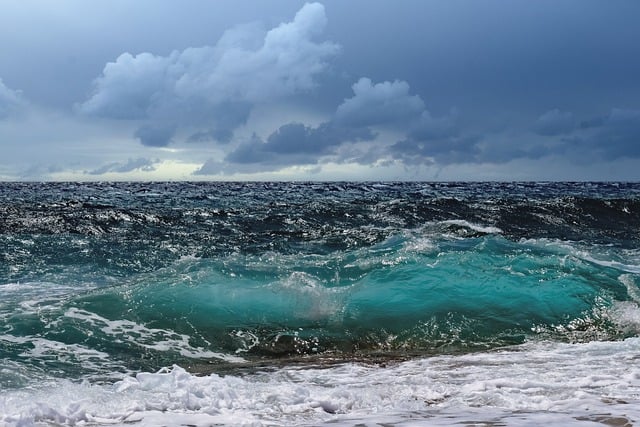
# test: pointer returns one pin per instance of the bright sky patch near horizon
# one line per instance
(288, 90)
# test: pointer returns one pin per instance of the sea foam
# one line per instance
(558, 384)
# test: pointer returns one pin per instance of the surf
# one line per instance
(260, 302)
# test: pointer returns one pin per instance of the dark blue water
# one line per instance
(100, 278)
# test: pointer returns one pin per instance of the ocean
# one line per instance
(319, 304)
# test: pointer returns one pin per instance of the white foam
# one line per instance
(632, 288)
(41, 350)
(150, 338)
(594, 255)
(629, 268)
(420, 245)
(310, 298)
(626, 314)
(533, 384)
(34, 297)
(475, 227)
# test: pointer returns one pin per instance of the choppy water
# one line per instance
(312, 303)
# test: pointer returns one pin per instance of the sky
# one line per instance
(335, 90)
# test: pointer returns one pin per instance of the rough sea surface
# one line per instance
(341, 304)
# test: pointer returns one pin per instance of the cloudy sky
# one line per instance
(337, 90)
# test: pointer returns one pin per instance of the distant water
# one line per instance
(319, 303)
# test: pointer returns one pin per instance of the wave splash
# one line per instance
(417, 293)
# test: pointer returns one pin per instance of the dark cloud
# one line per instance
(495, 63)
(439, 141)
(296, 143)
(214, 166)
(229, 115)
(388, 104)
(611, 137)
(146, 165)
(298, 138)
(39, 171)
(436, 140)
(217, 135)
(365, 155)
(210, 167)
(554, 122)
(470, 149)
(594, 122)
(213, 87)
(251, 151)
(373, 106)
(430, 128)
(503, 151)
(156, 135)
(449, 150)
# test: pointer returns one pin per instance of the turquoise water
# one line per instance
(406, 295)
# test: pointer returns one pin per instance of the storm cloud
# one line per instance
(603, 138)
(610, 137)
(439, 150)
(295, 143)
(554, 122)
(213, 88)
(372, 106)
(289, 90)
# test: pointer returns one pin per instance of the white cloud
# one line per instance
(213, 88)
(131, 87)
(284, 64)
(10, 100)
(385, 103)
(139, 164)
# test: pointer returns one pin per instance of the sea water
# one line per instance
(401, 304)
